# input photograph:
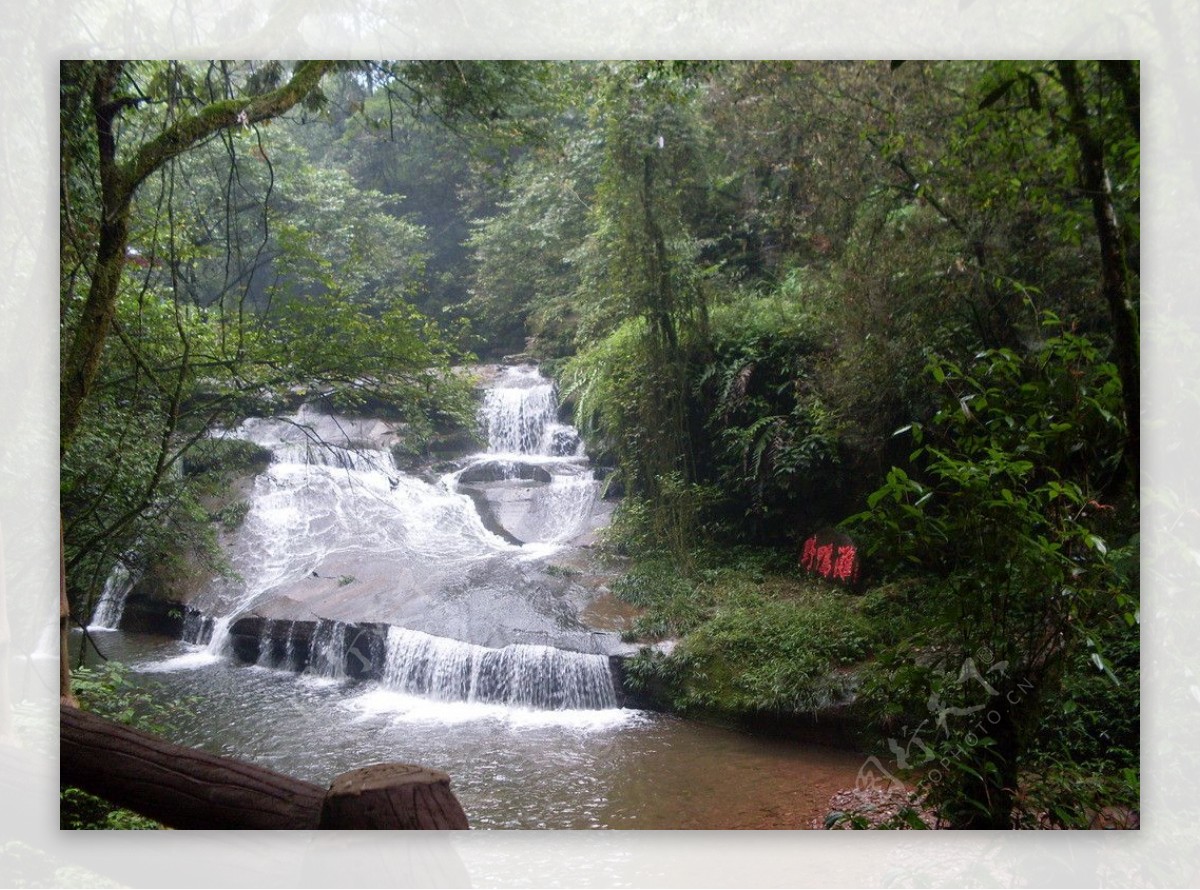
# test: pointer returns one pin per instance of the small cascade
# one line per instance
(363, 460)
(266, 645)
(526, 676)
(197, 627)
(565, 505)
(327, 656)
(534, 484)
(277, 648)
(519, 413)
(290, 662)
(214, 632)
(112, 600)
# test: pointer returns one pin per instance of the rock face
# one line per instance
(342, 544)
(148, 612)
(525, 503)
(503, 471)
(327, 648)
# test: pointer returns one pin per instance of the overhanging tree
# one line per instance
(101, 96)
(107, 94)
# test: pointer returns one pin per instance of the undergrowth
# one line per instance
(752, 636)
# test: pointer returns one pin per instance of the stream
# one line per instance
(457, 622)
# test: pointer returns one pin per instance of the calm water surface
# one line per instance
(511, 768)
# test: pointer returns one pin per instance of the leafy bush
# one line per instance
(224, 456)
(1001, 512)
(762, 654)
(752, 638)
(775, 443)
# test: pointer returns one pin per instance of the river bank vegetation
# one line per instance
(896, 300)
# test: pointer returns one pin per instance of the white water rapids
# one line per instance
(338, 538)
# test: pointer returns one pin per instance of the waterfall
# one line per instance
(527, 676)
(520, 416)
(266, 645)
(289, 649)
(198, 628)
(340, 530)
(517, 411)
(327, 658)
(534, 484)
(112, 600)
(565, 505)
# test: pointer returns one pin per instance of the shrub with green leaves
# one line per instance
(1014, 513)
(751, 639)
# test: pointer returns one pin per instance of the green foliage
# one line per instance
(775, 443)
(1003, 515)
(602, 384)
(337, 238)
(1090, 717)
(762, 654)
(534, 255)
(213, 456)
(107, 690)
(675, 604)
(748, 275)
(751, 638)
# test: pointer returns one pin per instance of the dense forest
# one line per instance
(887, 303)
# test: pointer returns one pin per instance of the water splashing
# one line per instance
(344, 565)
(540, 677)
(112, 600)
(519, 412)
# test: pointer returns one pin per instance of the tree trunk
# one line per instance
(64, 627)
(186, 788)
(392, 795)
(118, 184)
(989, 797)
(1114, 283)
(180, 787)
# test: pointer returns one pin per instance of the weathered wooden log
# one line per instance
(186, 788)
(180, 787)
(392, 795)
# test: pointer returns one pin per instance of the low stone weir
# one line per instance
(529, 676)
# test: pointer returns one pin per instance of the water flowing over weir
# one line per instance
(348, 567)
(520, 416)
(111, 606)
(529, 676)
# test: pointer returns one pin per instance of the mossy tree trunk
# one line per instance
(119, 180)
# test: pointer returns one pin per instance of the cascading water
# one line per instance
(112, 600)
(520, 416)
(338, 539)
(519, 675)
(388, 622)
(527, 445)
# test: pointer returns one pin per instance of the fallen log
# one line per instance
(187, 788)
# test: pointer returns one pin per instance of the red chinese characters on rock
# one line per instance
(845, 568)
(832, 555)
